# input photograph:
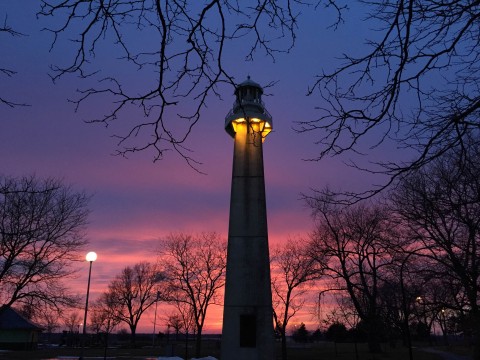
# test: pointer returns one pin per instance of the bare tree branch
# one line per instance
(182, 49)
(417, 87)
(6, 29)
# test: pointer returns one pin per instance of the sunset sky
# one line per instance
(136, 202)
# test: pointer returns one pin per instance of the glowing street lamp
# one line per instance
(91, 257)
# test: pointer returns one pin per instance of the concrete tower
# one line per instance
(247, 318)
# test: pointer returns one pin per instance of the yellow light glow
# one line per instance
(257, 125)
(237, 123)
(267, 128)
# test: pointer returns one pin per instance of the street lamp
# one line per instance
(91, 257)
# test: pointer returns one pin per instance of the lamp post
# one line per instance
(91, 257)
(444, 326)
(155, 319)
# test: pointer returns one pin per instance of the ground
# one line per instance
(316, 351)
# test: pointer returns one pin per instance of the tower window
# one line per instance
(248, 331)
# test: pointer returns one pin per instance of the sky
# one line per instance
(135, 202)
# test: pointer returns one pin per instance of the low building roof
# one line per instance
(12, 320)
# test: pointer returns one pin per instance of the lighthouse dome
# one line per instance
(248, 105)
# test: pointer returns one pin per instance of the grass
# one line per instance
(348, 352)
(315, 351)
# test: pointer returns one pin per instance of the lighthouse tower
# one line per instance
(247, 319)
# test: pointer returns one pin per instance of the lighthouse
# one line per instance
(247, 318)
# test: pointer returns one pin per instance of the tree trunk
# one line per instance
(133, 330)
(476, 335)
(474, 320)
(284, 344)
(476, 348)
(186, 345)
(373, 337)
(198, 342)
(106, 346)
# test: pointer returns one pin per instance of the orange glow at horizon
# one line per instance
(110, 264)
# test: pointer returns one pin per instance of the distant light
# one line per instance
(91, 256)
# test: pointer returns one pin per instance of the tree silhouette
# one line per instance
(300, 334)
(357, 245)
(194, 267)
(336, 332)
(131, 293)
(292, 271)
(441, 206)
(42, 224)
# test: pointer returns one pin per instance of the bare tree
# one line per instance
(417, 85)
(132, 292)
(195, 271)
(49, 321)
(175, 322)
(103, 317)
(42, 225)
(72, 321)
(183, 321)
(441, 206)
(356, 244)
(404, 282)
(293, 270)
